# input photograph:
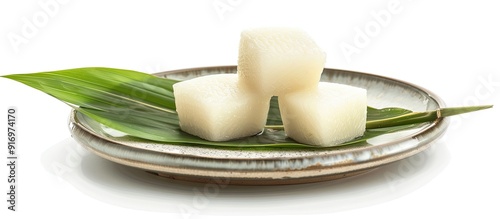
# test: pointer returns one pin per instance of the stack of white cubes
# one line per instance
(281, 62)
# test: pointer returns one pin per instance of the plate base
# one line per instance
(259, 182)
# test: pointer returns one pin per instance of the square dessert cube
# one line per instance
(326, 116)
(216, 108)
(275, 61)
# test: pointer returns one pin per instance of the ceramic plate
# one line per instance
(277, 166)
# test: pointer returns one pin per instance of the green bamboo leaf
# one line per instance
(420, 117)
(133, 102)
(274, 116)
(143, 106)
(376, 114)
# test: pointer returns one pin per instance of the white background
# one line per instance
(449, 47)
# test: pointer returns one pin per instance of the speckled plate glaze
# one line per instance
(276, 166)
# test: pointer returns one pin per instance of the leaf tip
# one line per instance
(11, 77)
(483, 107)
